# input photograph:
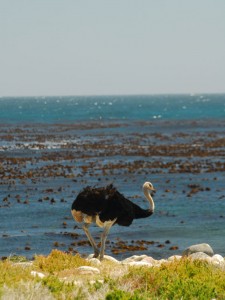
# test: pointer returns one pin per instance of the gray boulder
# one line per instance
(200, 256)
(205, 248)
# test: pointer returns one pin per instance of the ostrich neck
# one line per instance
(150, 200)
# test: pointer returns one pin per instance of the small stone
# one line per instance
(88, 270)
(101, 281)
(139, 264)
(38, 274)
(25, 264)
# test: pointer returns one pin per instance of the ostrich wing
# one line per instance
(90, 201)
(119, 208)
(123, 210)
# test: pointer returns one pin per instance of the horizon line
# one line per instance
(114, 95)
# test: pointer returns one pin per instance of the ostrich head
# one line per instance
(148, 186)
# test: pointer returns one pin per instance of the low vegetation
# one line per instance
(57, 277)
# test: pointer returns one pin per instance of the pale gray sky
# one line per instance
(81, 47)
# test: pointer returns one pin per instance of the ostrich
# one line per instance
(106, 206)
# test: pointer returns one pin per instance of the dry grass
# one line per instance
(27, 290)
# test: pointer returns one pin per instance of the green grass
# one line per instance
(182, 279)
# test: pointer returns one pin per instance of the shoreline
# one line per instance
(64, 276)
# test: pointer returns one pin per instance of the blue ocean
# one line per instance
(73, 109)
(52, 147)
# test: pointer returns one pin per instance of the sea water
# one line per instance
(180, 220)
(74, 108)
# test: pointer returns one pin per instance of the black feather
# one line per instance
(109, 204)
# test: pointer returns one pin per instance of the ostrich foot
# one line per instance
(101, 257)
(96, 254)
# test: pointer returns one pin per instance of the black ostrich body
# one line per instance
(107, 207)
(108, 204)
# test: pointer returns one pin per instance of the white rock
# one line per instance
(218, 257)
(76, 282)
(161, 261)
(69, 280)
(141, 257)
(134, 258)
(139, 264)
(200, 256)
(95, 261)
(106, 257)
(206, 248)
(110, 258)
(149, 259)
(215, 263)
(95, 281)
(218, 260)
(174, 257)
(26, 264)
(127, 260)
(38, 274)
(88, 270)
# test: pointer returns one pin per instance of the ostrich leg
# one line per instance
(107, 226)
(90, 238)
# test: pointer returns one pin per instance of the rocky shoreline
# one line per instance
(194, 252)
(197, 271)
(202, 252)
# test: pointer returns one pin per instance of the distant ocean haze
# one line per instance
(74, 108)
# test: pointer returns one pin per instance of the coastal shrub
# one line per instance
(183, 279)
(11, 274)
(59, 288)
(17, 258)
(119, 294)
(57, 261)
(122, 295)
